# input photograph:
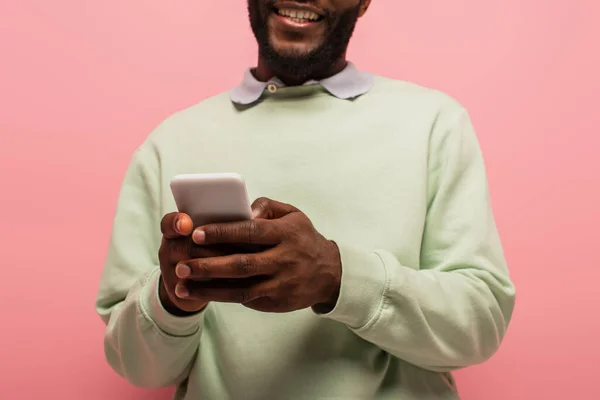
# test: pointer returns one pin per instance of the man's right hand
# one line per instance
(176, 246)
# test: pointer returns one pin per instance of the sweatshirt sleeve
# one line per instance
(453, 309)
(143, 342)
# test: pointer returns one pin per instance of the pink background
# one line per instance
(82, 82)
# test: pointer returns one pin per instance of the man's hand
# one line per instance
(299, 269)
(177, 246)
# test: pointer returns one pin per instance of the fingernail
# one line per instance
(181, 291)
(178, 225)
(255, 213)
(182, 271)
(199, 236)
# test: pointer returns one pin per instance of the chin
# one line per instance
(299, 51)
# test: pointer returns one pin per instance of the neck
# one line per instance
(263, 72)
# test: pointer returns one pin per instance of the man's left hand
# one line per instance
(299, 268)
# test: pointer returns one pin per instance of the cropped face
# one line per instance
(303, 37)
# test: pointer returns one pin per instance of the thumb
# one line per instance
(266, 208)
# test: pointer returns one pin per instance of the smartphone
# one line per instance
(212, 198)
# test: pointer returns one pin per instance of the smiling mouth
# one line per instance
(298, 16)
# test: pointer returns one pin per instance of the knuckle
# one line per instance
(166, 224)
(213, 231)
(286, 259)
(262, 202)
(263, 205)
(294, 232)
(274, 266)
(267, 229)
(281, 286)
(201, 269)
(218, 230)
(253, 230)
(244, 266)
(276, 288)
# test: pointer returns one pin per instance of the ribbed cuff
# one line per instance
(362, 290)
(168, 323)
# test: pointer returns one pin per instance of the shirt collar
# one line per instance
(347, 84)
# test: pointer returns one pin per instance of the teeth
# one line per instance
(299, 15)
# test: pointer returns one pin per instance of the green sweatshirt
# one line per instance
(395, 177)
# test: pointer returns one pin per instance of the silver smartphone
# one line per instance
(212, 197)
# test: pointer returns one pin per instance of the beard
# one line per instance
(298, 64)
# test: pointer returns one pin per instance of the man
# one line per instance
(380, 270)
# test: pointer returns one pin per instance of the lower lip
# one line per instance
(293, 24)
